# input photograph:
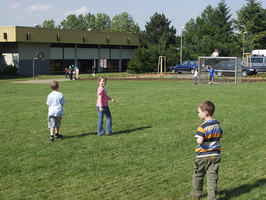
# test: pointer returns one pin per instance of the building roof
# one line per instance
(45, 35)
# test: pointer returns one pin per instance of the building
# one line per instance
(107, 51)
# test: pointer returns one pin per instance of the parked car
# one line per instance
(185, 66)
(227, 68)
(259, 62)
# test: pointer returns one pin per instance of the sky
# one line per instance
(179, 12)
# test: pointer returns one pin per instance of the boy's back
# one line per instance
(211, 132)
(55, 101)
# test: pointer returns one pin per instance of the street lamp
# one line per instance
(183, 27)
(244, 42)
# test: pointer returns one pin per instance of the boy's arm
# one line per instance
(200, 141)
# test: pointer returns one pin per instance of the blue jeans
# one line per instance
(107, 113)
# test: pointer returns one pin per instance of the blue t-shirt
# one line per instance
(55, 101)
(212, 72)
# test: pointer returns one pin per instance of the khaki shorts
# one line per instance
(54, 121)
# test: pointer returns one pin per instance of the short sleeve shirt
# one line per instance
(102, 92)
(55, 101)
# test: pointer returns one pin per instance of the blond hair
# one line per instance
(54, 85)
(102, 77)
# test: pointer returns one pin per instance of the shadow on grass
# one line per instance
(246, 188)
(114, 133)
(80, 135)
(131, 130)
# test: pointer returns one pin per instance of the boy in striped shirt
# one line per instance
(207, 152)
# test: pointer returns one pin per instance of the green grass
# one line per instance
(151, 154)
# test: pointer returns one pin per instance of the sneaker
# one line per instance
(52, 139)
(108, 133)
(194, 195)
(57, 136)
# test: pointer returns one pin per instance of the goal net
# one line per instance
(227, 69)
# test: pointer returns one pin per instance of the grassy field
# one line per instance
(149, 156)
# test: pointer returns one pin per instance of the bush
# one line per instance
(9, 70)
(144, 60)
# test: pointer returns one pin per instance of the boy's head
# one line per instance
(54, 85)
(207, 109)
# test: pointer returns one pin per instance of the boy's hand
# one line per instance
(101, 109)
(113, 100)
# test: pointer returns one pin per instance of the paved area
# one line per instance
(41, 81)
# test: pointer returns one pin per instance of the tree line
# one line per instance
(213, 29)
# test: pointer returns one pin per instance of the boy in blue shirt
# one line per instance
(212, 71)
(207, 152)
(55, 101)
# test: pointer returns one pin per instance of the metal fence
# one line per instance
(227, 70)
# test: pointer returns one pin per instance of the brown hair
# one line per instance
(54, 85)
(207, 106)
(102, 77)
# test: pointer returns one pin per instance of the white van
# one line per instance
(257, 52)
(258, 60)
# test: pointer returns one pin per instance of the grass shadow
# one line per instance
(114, 133)
(80, 135)
(235, 192)
(131, 130)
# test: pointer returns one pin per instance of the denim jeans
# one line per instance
(107, 113)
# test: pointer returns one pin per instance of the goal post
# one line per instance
(227, 69)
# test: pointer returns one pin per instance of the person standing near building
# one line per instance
(77, 72)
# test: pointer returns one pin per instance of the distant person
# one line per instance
(103, 108)
(207, 152)
(66, 72)
(212, 73)
(77, 72)
(215, 53)
(93, 71)
(55, 101)
(70, 73)
(196, 76)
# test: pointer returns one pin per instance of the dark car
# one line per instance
(227, 68)
(185, 66)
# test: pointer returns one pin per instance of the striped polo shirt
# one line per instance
(211, 132)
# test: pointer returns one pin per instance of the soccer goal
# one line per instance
(227, 70)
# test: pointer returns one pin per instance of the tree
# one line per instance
(158, 32)
(91, 21)
(124, 23)
(144, 60)
(102, 22)
(48, 24)
(212, 30)
(74, 22)
(251, 18)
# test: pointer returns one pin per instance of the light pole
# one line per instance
(244, 42)
(183, 27)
